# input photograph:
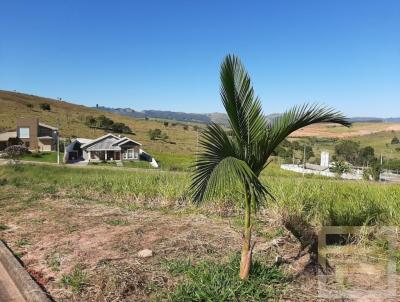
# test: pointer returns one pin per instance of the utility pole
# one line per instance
(58, 140)
(197, 143)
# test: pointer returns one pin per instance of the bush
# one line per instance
(340, 167)
(45, 106)
(395, 141)
(157, 134)
(15, 152)
(373, 172)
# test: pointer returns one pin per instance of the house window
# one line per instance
(24, 132)
(130, 154)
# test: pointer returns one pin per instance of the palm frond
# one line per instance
(228, 172)
(298, 117)
(244, 110)
(216, 145)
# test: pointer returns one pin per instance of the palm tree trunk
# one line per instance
(245, 262)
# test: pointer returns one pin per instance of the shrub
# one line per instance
(340, 167)
(157, 134)
(373, 172)
(185, 127)
(15, 152)
(166, 124)
(395, 141)
(45, 106)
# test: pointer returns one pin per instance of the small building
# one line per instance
(36, 136)
(325, 159)
(108, 147)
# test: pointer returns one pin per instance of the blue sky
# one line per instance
(166, 54)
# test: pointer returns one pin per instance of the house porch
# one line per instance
(104, 155)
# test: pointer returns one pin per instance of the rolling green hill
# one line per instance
(182, 141)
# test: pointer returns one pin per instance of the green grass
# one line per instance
(22, 242)
(76, 280)
(322, 201)
(210, 281)
(46, 157)
(137, 164)
(174, 162)
(3, 227)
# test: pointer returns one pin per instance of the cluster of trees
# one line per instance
(351, 152)
(106, 123)
(287, 150)
(155, 134)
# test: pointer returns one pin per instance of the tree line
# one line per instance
(103, 122)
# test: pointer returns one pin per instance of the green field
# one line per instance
(322, 201)
(46, 157)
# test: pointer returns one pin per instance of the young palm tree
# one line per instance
(242, 154)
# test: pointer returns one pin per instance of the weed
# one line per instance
(22, 242)
(54, 261)
(76, 280)
(3, 227)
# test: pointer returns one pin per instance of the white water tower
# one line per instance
(325, 159)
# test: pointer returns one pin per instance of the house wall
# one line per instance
(32, 124)
(136, 149)
(45, 145)
(85, 155)
(43, 131)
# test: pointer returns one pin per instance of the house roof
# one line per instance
(98, 139)
(107, 142)
(124, 140)
(47, 126)
(6, 135)
(83, 141)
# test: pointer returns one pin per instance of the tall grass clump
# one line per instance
(210, 281)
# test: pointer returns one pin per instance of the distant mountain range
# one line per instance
(219, 118)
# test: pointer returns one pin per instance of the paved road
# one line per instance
(8, 290)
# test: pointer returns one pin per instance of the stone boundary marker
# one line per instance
(22, 280)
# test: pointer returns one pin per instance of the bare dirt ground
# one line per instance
(54, 236)
(57, 237)
(335, 131)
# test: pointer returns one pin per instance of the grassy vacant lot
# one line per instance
(78, 232)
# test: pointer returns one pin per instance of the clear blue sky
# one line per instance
(166, 54)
